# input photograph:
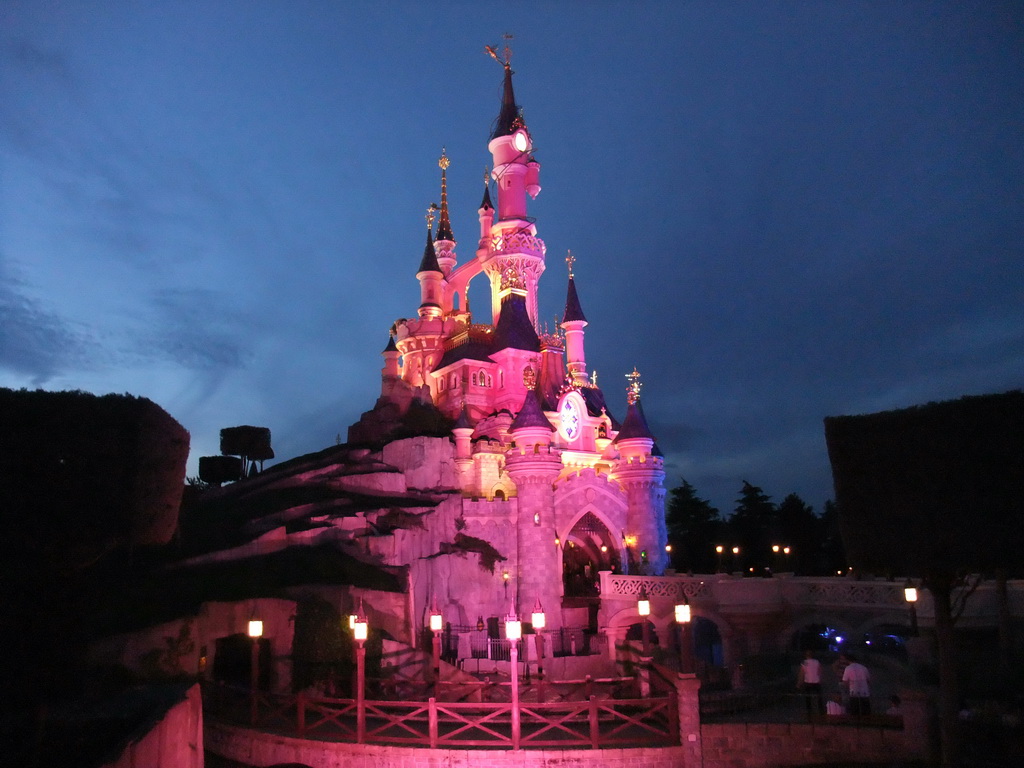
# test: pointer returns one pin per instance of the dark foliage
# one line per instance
(489, 556)
(694, 527)
(81, 475)
(935, 488)
(219, 469)
(249, 442)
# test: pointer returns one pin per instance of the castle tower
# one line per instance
(573, 322)
(514, 247)
(641, 473)
(533, 463)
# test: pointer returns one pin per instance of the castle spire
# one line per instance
(508, 118)
(429, 261)
(444, 226)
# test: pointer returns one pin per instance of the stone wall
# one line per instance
(264, 749)
(176, 741)
(766, 745)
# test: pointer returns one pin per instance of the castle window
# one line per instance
(455, 381)
(474, 379)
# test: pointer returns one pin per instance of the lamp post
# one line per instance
(360, 631)
(685, 645)
(255, 632)
(643, 607)
(513, 631)
(735, 557)
(539, 622)
(436, 625)
(719, 550)
(910, 595)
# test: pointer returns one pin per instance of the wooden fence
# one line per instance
(594, 722)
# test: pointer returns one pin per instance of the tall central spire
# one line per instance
(444, 225)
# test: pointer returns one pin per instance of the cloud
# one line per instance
(34, 341)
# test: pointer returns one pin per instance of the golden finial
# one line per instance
(508, 49)
(443, 161)
(633, 388)
(570, 260)
(430, 214)
(487, 175)
(593, 379)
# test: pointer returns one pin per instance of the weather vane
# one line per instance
(570, 260)
(633, 388)
(487, 176)
(430, 214)
(493, 53)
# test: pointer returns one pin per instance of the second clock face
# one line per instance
(572, 421)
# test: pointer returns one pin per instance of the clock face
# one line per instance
(520, 141)
(571, 420)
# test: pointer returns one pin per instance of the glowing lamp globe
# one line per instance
(360, 629)
(513, 628)
(436, 622)
(683, 613)
(910, 594)
(538, 618)
(255, 628)
(643, 605)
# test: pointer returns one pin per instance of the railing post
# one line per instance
(360, 694)
(300, 713)
(588, 687)
(595, 731)
(688, 702)
(514, 656)
(432, 720)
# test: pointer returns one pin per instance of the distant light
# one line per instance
(436, 622)
(538, 618)
(668, 547)
(604, 547)
(735, 550)
(719, 549)
(775, 548)
(255, 628)
(643, 605)
(839, 639)
(910, 594)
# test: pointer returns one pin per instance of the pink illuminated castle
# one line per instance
(543, 472)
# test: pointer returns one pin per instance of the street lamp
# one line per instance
(436, 624)
(513, 631)
(255, 632)
(719, 550)
(910, 595)
(643, 607)
(685, 646)
(735, 557)
(360, 631)
(539, 622)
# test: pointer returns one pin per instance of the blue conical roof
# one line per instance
(573, 311)
(429, 261)
(635, 423)
(514, 328)
(531, 414)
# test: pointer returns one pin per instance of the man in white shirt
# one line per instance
(809, 683)
(857, 680)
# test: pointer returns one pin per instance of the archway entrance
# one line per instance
(232, 662)
(588, 548)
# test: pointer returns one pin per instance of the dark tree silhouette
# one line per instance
(217, 470)
(751, 526)
(935, 492)
(694, 526)
(251, 444)
(797, 527)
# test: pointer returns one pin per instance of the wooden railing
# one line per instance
(594, 722)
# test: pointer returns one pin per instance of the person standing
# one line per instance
(857, 679)
(809, 683)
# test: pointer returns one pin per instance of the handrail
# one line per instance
(595, 723)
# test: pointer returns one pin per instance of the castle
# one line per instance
(543, 472)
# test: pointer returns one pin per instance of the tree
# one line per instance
(750, 527)
(694, 527)
(251, 444)
(797, 527)
(935, 492)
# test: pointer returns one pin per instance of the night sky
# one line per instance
(780, 210)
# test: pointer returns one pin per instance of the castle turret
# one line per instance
(513, 243)
(641, 473)
(431, 280)
(533, 464)
(573, 322)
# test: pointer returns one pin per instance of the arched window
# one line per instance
(483, 379)
(455, 381)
